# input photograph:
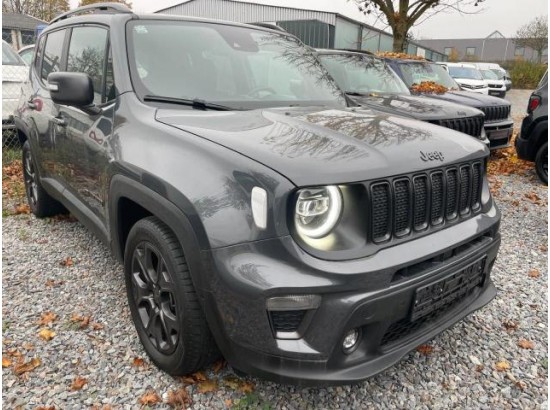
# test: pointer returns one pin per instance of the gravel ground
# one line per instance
(457, 370)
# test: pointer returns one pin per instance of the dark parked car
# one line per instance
(532, 141)
(253, 211)
(498, 123)
(370, 82)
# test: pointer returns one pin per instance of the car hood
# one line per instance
(327, 146)
(15, 73)
(416, 107)
(469, 98)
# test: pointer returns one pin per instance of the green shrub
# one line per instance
(526, 74)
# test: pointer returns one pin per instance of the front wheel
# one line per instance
(40, 202)
(164, 306)
(541, 163)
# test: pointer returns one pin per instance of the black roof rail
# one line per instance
(113, 7)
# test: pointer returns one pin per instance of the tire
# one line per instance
(541, 163)
(41, 203)
(165, 308)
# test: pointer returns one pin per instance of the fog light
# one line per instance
(351, 340)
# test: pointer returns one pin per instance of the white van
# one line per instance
(468, 77)
(501, 73)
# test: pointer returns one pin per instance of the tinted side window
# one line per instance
(38, 54)
(53, 53)
(87, 55)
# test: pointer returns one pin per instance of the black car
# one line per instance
(498, 123)
(255, 213)
(371, 83)
(532, 141)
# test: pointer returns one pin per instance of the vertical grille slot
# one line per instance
(465, 184)
(476, 186)
(402, 207)
(452, 194)
(420, 202)
(381, 211)
(437, 198)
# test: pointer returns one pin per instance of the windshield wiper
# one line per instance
(195, 102)
(356, 94)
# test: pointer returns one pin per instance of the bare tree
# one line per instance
(402, 15)
(41, 9)
(534, 35)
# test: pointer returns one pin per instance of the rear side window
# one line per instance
(52, 53)
(87, 52)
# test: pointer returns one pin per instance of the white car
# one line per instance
(497, 87)
(468, 77)
(501, 73)
(27, 53)
(14, 73)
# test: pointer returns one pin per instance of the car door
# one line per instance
(87, 133)
(39, 111)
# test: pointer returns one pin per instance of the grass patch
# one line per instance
(251, 401)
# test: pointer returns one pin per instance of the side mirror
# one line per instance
(72, 89)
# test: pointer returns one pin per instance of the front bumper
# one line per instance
(373, 294)
(499, 133)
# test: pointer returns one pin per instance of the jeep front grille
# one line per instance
(413, 203)
(470, 125)
(496, 113)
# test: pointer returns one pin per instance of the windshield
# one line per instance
(417, 72)
(10, 57)
(238, 67)
(465, 72)
(356, 73)
(499, 73)
(27, 55)
(489, 75)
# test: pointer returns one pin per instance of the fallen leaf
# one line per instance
(45, 408)
(231, 382)
(510, 325)
(97, 326)
(47, 318)
(534, 273)
(526, 344)
(479, 368)
(14, 353)
(52, 283)
(247, 387)
(503, 366)
(543, 248)
(27, 346)
(22, 209)
(25, 367)
(207, 386)
(520, 385)
(228, 403)
(6, 362)
(187, 380)
(220, 364)
(149, 398)
(178, 398)
(138, 362)
(425, 349)
(68, 261)
(78, 383)
(83, 321)
(46, 334)
(199, 376)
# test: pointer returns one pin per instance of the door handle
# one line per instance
(59, 121)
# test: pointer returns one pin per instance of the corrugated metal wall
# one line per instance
(312, 27)
(314, 33)
(245, 12)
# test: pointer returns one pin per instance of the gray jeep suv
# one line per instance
(255, 213)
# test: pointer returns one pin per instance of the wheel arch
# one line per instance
(130, 201)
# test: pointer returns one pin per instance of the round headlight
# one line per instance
(318, 211)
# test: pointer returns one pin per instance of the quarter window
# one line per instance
(53, 53)
(87, 51)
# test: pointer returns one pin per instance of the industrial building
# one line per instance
(494, 48)
(319, 29)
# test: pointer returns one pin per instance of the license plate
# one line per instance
(499, 134)
(444, 292)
